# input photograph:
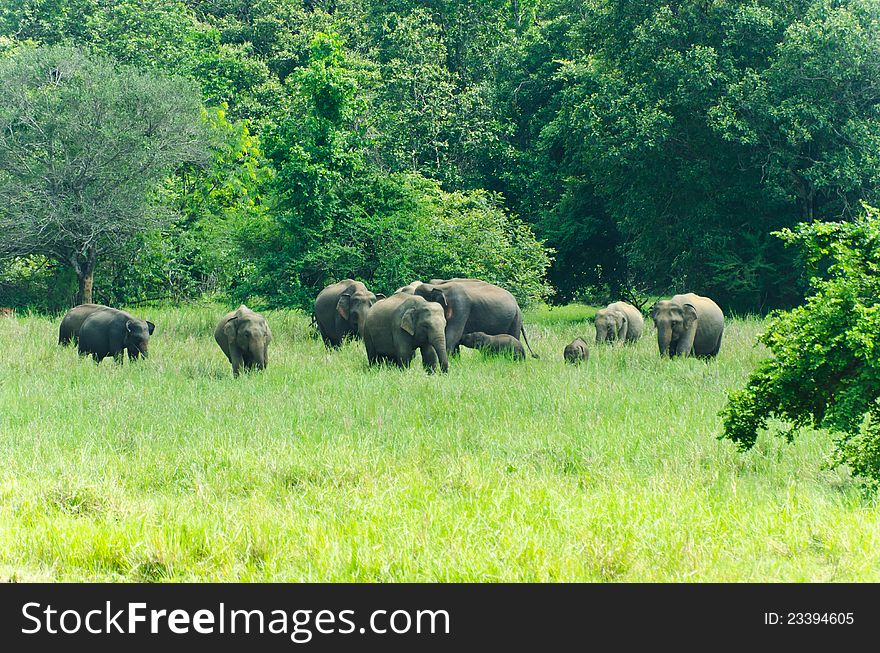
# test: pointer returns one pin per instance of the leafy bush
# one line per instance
(825, 364)
(393, 229)
(36, 283)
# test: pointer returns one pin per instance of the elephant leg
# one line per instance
(429, 358)
(454, 332)
(717, 347)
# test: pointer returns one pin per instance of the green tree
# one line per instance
(824, 368)
(84, 147)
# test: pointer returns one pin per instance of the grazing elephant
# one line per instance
(244, 337)
(473, 305)
(395, 327)
(688, 325)
(576, 351)
(340, 310)
(72, 322)
(501, 344)
(619, 321)
(111, 332)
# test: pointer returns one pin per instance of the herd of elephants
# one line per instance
(435, 318)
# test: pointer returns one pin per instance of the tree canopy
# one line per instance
(83, 147)
(649, 147)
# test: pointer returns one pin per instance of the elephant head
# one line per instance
(427, 326)
(611, 325)
(676, 327)
(353, 307)
(437, 295)
(137, 337)
(249, 333)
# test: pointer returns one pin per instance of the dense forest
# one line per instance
(569, 149)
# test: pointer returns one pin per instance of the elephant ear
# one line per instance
(407, 322)
(150, 327)
(268, 331)
(447, 308)
(654, 310)
(379, 296)
(343, 305)
(689, 313)
(229, 328)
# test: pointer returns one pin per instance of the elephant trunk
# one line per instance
(360, 319)
(258, 354)
(664, 338)
(438, 342)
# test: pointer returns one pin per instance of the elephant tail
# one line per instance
(525, 338)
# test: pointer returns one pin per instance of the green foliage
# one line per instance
(338, 215)
(36, 283)
(84, 146)
(693, 130)
(825, 364)
(654, 146)
(197, 253)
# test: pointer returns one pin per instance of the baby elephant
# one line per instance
(111, 332)
(576, 351)
(244, 337)
(501, 344)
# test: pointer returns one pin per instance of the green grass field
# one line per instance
(321, 469)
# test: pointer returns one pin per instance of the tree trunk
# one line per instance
(85, 275)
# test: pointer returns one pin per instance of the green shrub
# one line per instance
(825, 365)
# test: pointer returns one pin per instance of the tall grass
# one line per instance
(321, 468)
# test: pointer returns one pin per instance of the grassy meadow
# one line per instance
(321, 469)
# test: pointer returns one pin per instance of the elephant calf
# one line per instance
(111, 332)
(244, 337)
(576, 351)
(500, 344)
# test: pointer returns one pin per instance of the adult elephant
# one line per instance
(619, 321)
(473, 305)
(244, 337)
(340, 310)
(72, 322)
(688, 325)
(111, 332)
(395, 327)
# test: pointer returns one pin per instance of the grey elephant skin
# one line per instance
(111, 332)
(72, 322)
(503, 344)
(340, 310)
(395, 327)
(619, 322)
(471, 305)
(688, 325)
(577, 351)
(409, 288)
(244, 337)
